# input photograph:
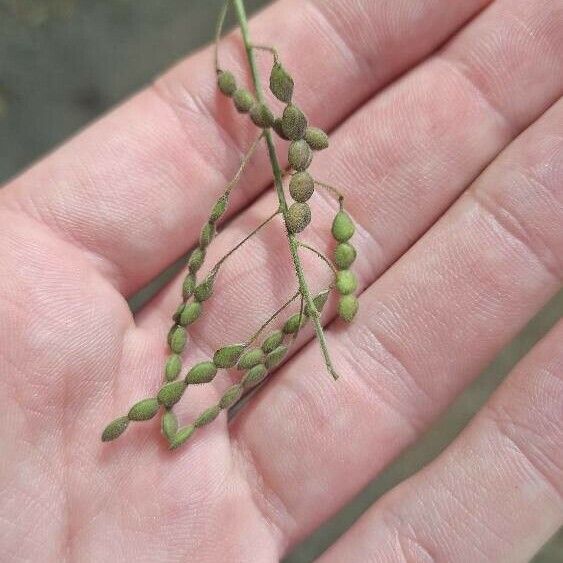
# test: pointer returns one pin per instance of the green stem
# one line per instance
(293, 242)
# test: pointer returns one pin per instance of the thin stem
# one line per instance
(245, 159)
(293, 244)
(333, 191)
(320, 255)
(219, 31)
(271, 50)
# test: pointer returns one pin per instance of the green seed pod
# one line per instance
(243, 99)
(207, 416)
(294, 323)
(276, 356)
(173, 367)
(182, 436)
(219, 209)
(316, 138)
(346, 282)
(171, 393)
(281, 83)
(348, 307)
(278, 128)
(226, 82)
(344, 255)
(298, 217)
(206, 236)
(190, 314)
(171, 333)
(342, 227)
(204, 372)
(143, 410)
(188, 286)
(299, 156)
(319, 300)
(273, 341)
(178, 339)
(195, 261)
(261, 115)
(169, 425)
(205, 289)
(294, 122)
(115, 428)
(231, 396)
(254, 376)
(251, 358)
(228, 356)
(301, 186)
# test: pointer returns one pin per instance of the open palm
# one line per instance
(453, 174)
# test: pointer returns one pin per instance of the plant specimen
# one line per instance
(259, 354)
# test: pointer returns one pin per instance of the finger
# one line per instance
(424, 330)
(131, 189)
(496, 494)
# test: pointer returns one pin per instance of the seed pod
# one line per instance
(344, 255)
(178, 338)
(188, 286)
(206, 235)
(276, 356)
(254, 376)
(299, 155)
(171, 393)
(219, 208)
(231, 396)
(226, 82)
(169, 425)
(294, 323)
(342, 227)
(273, 341)
(281, 83)
(316, 138)
(301, 186)
(195, 261)
(298, 217)
(261, 115)
(171, 333)
(207, 416)
(243, 99)
(190, 313)
(346, 282)
(348, 307)
(182, 436)
(294, 122)
(143, 410)
(173, 367)
(250, 358)
(204, 372)
(205, 289)
(278, 128)
(176, 315)
(228, 356)
(319, 300)
(115, 428)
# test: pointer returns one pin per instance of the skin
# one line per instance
(453, 175)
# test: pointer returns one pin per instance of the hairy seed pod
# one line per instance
(294, 122)
(254, 376)
(301, 186)
(344, 255)
(206, 235)
(188, 286)
(171, 393)
(182, 436)
(346, 282)
(319, 300)
(342, 227)
(243, 99)
(299, 156)
(316, 138)
(231, 396)
(219, 209)
(195, 261)
(205, 289)
(228, 356)
(278, 128)
(115, 428)
(173, 367)
(204, 372)
(294, 323)
(276, 356)
(250, 358)
(171, 333)
(226, 82)
(178, 339)
(281, 83)
(207, 416)
(273, 341)
(298, 217)
(169, 425)
(348, 307)
(261, 115)
(190, 313)
(143, 410)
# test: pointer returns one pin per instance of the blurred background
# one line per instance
(64, 62)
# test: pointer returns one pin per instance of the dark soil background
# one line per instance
(64, 62)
